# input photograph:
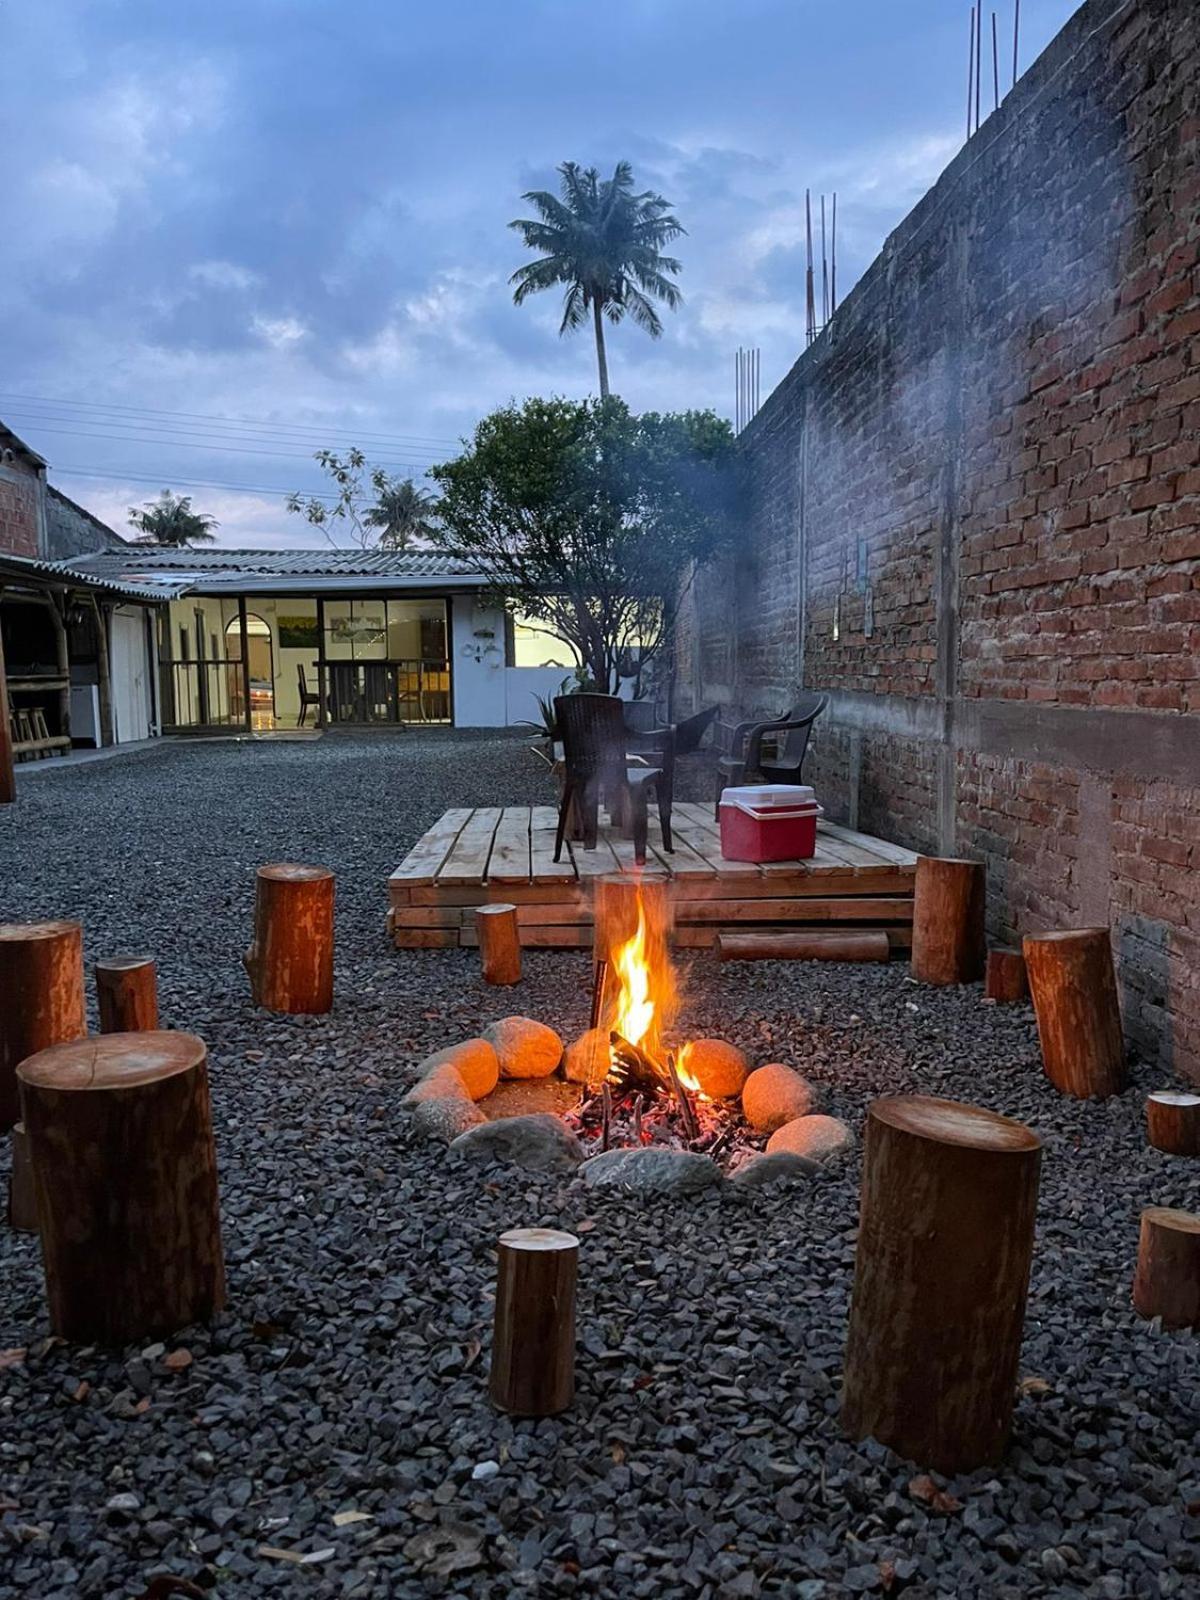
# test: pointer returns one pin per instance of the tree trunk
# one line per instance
(533, 1348)
(290, 962)
(601, 354)
(120, 1134)
(22, 1202)
(948, 909)
(127, 990)
(499, 943)
(1166, 1283)
(41, 998)
(819, 945)
(1074, 991)
(1006, 980)
(945, 1239)
(1173, 1122)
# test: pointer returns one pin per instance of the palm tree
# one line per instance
(604, 242)
(171, 520)
(402, 513)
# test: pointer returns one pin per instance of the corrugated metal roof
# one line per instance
(187, 569)
(66, 572)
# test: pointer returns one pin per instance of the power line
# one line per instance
(187, 483)
(212, 446)
(202, 416)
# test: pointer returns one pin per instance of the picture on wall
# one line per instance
(297, 633)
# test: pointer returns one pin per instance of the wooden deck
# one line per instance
(470, 857)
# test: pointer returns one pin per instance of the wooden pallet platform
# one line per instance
(470, 857)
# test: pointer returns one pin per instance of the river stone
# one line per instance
(527, 1049)
(662, 1171)
(587, 1059)
(719, 1069)
(443, 1081)
(819, 1138)
(474, 1060)
(758, 1169)
(446, 1119)
(776, 1094)
(541, 1142)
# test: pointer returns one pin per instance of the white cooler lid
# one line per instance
(769, 796)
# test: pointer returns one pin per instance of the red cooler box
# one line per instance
(769, 822)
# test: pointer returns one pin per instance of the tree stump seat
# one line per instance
(290, 961)
(125, 1179)
(41, 998)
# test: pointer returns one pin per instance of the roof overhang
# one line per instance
(54, 575)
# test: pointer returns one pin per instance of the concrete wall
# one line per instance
(975, 517)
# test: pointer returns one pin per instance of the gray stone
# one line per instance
(758, 1169)
(446, 1119)
(541, 1142)
(662, 1171)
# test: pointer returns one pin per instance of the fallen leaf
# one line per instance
(178, 1360)
(1034, 1386)
(617, 1451)
(923, 1488)
(12, 1358)
(82, 1392)
(343, 1519)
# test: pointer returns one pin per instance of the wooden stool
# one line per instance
(120, 1134)
(41, 998)
(1006, 980)
(22, 1202)
(948, 915)
(127, 990)
(499, 943)
(941, 1271)
(1166, 1283)
(290, 962)
(1074, 990)
(533, 1348)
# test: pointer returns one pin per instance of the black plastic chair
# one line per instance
(786, 741)
(689, 733)
(597, 768)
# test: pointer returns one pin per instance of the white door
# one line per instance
(132, 710)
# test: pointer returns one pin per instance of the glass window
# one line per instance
(534, 646)
(416, 630)
(356, 630)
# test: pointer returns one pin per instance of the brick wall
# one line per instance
(22, 516)
(974, 517)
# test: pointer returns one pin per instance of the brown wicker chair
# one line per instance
(786, 739)
(597, 768)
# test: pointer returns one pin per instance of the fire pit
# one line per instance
(630, 1102)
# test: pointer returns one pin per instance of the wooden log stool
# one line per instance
(22, 1202)
(1074, 990)
(1166, 1283)
(615, 903)
(127, 990)
(1173, 1122)
(1006, 980)
(290, 962)
(819, 944)
(948, 916)
(533, 1348)
(945, 1240)
(499, 943)
(41, 998)
(125, 1176)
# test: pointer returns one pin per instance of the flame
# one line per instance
(635, 1013)
(684, 1076)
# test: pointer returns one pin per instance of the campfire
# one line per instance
(647, 1096)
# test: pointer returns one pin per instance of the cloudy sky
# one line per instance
(236, 230)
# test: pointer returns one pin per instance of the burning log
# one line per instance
(633, 1068)
(605, 1116)
(599, 985)
(637, 1119)
(686, 1110)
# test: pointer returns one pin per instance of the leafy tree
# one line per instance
(591, 519)
(372, 506)
(171, 520)
(603, 242)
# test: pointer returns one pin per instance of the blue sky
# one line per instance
(293, 212)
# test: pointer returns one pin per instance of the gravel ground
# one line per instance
(702, 1458)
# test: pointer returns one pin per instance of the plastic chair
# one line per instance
(596, 767)
(786, 740)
